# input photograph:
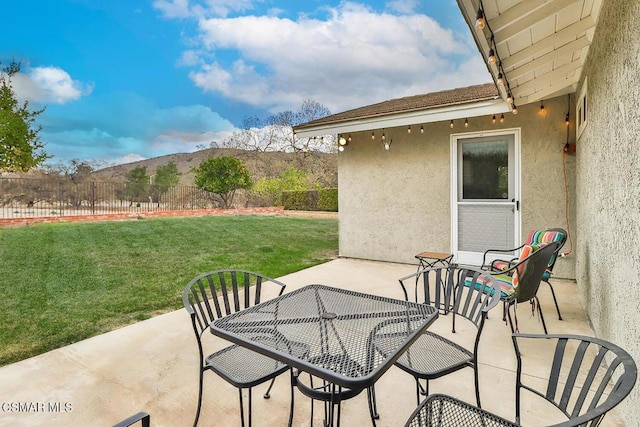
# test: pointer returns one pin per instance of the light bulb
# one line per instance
(515, 109)
(341, 148)
(502, 118)
(500, 79)
(342, 141)
(451, 124)
(493, 119)
(409, 130)
(373, 135)
(542, 111)
(510, 98)
(480, 20)
(421, 129)
(492, 56)
(466, 123)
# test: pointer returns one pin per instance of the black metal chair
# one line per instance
(535, 237)
(432, 355)
(520, 283)
(141, 417)
(586, 376)
(440, 410)
(212, 295)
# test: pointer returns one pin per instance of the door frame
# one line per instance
(454, 138)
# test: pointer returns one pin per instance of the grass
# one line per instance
(62, 283)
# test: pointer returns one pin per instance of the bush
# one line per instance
(311, 200)
(328, 200)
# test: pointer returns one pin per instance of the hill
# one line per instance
(321, 167)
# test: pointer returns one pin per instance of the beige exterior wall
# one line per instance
(608, 185)
(395, 204)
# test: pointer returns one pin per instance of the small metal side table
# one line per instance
(431, 259)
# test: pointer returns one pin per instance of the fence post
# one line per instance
(93, 197)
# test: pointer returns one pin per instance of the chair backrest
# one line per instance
(561, 238)
(444, 288)
(586, 377)
(219, 293)
(530, 271)
(539, 238)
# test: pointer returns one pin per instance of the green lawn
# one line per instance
(62, 283)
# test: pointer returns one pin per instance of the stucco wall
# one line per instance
(395, 204)
(608, 184)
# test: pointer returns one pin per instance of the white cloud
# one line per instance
(49, 84)
(143, 129)
(402, 6)
(182, 141)
(354, 57)
(128, 158)
(174, 8)
(192, 9)
(190, 58)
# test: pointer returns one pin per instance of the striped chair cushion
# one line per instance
(526, 251)
(508, 284)
(500, 264)
(503, 280)
(535, 237)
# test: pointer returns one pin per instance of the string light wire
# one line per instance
(494, 49)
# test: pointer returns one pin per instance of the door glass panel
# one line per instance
(485, 170)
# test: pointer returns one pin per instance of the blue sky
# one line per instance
(124, 80)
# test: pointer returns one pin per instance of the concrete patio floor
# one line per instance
(152, 366)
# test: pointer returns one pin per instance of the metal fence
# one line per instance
(27, 198)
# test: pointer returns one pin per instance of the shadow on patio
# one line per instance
(152, 366)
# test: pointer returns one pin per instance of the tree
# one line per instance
(20, 145)
(137, 184)
(222, 176)
(166, 177)
(275, 133)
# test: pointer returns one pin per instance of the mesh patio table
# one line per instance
(337, 328)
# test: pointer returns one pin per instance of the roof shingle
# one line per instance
(410, 103)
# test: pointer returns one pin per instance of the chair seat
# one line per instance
(243, 367)
(504, 281)
(432, 356)
(246, 368)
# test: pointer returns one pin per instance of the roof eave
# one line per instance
(407, 118)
